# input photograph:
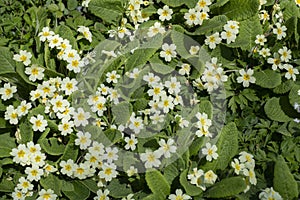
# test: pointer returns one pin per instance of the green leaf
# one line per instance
(66, 33)
(227, 145)
(157, 183)
(283, 181)
(293, 95)
(72, 4)
(90, 184)
(247, 34)
(7, 64)
(110, 11)
(153, 196)
(267, 78)
(218, 4)
(173, 170)
(240, 9)
(80, 191)
(274, 112)
(118, 190)
(190, 189)
(122, 112)
(226, 188)
(71, 150)
(209, 26)
(52, 146)
(161, 68)
(7, 143)
(289, 9)
(67, 186)
(177, 3)
(284, 87)
(6, 186)
(26, 132)
(206, 107)
(52, 182)
(20, 69)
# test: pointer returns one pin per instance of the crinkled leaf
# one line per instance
(240, 9)
(109, 10)
(52, 146)
(66, 33)
(52, 182)
(227, 145)
(212, 25)
(284, 182)
(122, 112)
(274, 111)
(284, 87)
(90, 184)
(80, 191)
(293, 95)
(247, 34)
(26, 132)
(118, 190)
(7, 143)
(267, 78)
(157, 183)
(7, 64)
(71, 150)
(226, 188)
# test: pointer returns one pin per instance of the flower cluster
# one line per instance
(201, 179)
(244, 165)
(66, 52)
(30, 155)
(269, 193)
(203, 123)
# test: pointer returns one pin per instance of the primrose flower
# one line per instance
(112, 77)
(86, 32)
(34, 173)
(69, 85)
(130, 142)
(103, 195)
(24, 56)
(38, 123)
(210, 177)
(237, 166)
(213, 40)
(280, 31)
(155, 29)
(168, 52)
(246, 77)
(83, 139)
(229, 36)
(131, 171)
(297, 2)
(67, 167)
(55, 41)
(192, 17)
(24, 185)
(111, 154)
(179, 195)
(11, 114)
(210, 152)
(21, 155)
(260, 39)
(66, 126)
(81, 118)
(166, 148)
(35, 73)
(285, 54)
(184, 69)
(108, 171)
(165, 13)
(264, 52)
(85, 3)
(275, 62)
(194, 50)
(7, 91)
(151, 158)
(291, 72)
(203, 5)
(45, 34)
(47, 195)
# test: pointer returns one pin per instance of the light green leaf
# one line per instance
(90, 184)
(66, 33)
(274, 112)
(227, 145)
(157, 183)
(52, 146)
(284, 87)
(161, 68)
(190, 189)
(26, 132)
(52, 182)
(289, 9)
(118, 190)
(247, 34)
(240, 9)
(122, 112)
(110, 11)
(80, 191)
(174, 3)
(173, 170)
(293, 95)
(226, 188)
(20, 69)
(283, 181)
(153, 196)
(7, 64)
(212, 25)
(6, 186)
(7, 143)
(72, 4)
(205, 106)
(267, 78)
(218, 4)
(71, 151)
(139, 58)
